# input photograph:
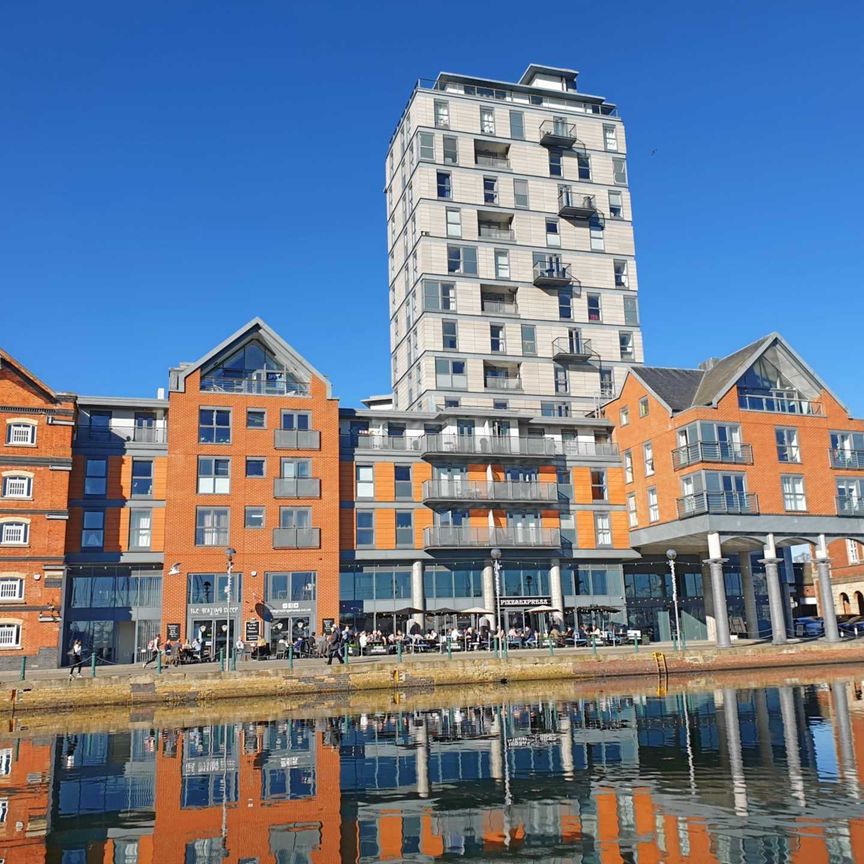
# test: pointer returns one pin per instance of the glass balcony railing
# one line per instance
(717, 503)
(847, 458)
(119, 433)
(297, 439)
(779, 402)
(296, 487)
(296, 538)
(849, 506)
(496, 491)
(514, 537)
(255, 382)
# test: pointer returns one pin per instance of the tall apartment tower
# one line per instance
(511, 255)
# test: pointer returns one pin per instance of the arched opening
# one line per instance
(859, 600)
(844, 604)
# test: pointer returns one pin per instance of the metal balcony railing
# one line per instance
(576, 449)
(717, 502)
(494, 232)
(296, 538)
(565, 347)
(847, 506)
(557, 133)
(550, 274)
(503, 491)
(847, 458)
(296, 487)
(576, 205)
(507, 445)
(119, 433)
(527, 537)
(257, 382)
(737, 454)
(382, 442)
(297, 439)
(499, 307)
(486, 161)
(501, 383)
(779, 402)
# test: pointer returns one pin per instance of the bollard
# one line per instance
(399, 651)
(551, 648)
(23, 668)
(159, 662)
(291, 657)
(92, 664)
(594, 645)
(221, 660)
(449, 649)
(233, 661)
(636, 645)
(506, 648)
(683, 641)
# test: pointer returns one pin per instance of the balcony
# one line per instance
(496, 492)
(779, 402)
(573, 205)
(847, 458)
(720, 503)
(381, 442)
(296, 487)
(498, 305)
(297, 439)
(506, 383)
(488, 160)
(849, 506)
(296, 538)
(555, 133)
(119, 433)
(552, 274)
(445, 537)
(255, 382)
(572, 350)
(493, 445)
(734, 454)
(489, 231)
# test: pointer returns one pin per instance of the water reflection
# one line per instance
(769, 775)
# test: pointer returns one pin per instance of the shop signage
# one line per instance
(293, 606)
(253, 630)
(172, 631)
(524, 602)
(213, 611)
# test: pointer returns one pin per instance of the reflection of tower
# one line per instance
(565, 736)
(421, 755)
(496, 752)
(843, 732)
(790, 742)
(733, 747)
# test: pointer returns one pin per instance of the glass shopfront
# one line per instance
(292, 603)
(212, 616)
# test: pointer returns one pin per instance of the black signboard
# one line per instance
(328, 624)
(172, 631)
(253, 630)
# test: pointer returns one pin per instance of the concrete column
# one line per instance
(822, 575)
(790, 741)
(775, 591)
(750, 614)
(418, 596)
(421, 756)
(733, 743)
(718, 590)
(556, 591)
(843, 732)
(708, 598)
(489, 594)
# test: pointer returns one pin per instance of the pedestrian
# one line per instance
(334, 647)
(76, 656)
(154, 647)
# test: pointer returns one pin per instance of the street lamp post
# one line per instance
(496, 567)
(671, 555)
(229, 570)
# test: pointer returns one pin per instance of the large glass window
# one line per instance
(405, 528)
(365, 477)
(299, 587)
(140, 528)
(365, 527)
(93, 529)
(214, 426)
(402, 478)
(214, 476)
(211, 526)
(142, 477)
(213, 588)
(462, 259)
(96, 477)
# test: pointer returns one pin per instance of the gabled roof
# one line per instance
(674, 387)
(7, 359)
(255, 327)
(724, 373)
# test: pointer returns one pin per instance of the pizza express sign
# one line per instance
(524, 602)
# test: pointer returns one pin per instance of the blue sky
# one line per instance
(151, 203)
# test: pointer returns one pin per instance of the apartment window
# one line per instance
(607, 382)
(632, 518)
(787, 445)
(529, 340)
(296, 469)
(595, 230)
(442, 114)
(619, 171)
(211, 526)
(628, 466)
(853, 554)
(450, 374)
(490, 190)
(565, 304)
(365, 481)
(451, 150)
(253, 517)
(497, 340)
(502, 264)
(599, 487)
(17, 486)
(517, 125)
(11, 588)
(794, 499)
(555, 166)
(20, 434)
(625, 343)
(140, 529)
(404, 527)
(631, 312)
(620, 268)
(653, 505)
(444, 184)
(643, 406)
(616, 204)
(256, 418)
(594, 310)
(553, 233)
(439, 296)
(449, 334)
(402, 479)
(214, 476)
(583, 164)
(562, 385)
(142, 478)
(602, 529)
(520, 193)
(610, 138)
(454, 223)
(10, 637)
(14, 533)
(255, 466)
(214, 426)
(487, 121)
(648, 458)
(462, 259)
(426, 145)
(365, 527)
(96, 477)
(295, 517)
(93, 529)
(624, 417)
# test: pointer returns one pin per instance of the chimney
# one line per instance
(160, 393)
(709, 364)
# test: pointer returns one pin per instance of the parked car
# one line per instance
(852, 625)
(809, 627)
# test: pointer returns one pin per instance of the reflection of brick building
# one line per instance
(25, 798)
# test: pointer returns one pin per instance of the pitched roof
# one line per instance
(674, 387)
(25, 373)
(717, 379)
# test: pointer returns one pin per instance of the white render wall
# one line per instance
(418, 241)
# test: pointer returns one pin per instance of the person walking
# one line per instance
(154, 647)
(334, 646)
(76, 656)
